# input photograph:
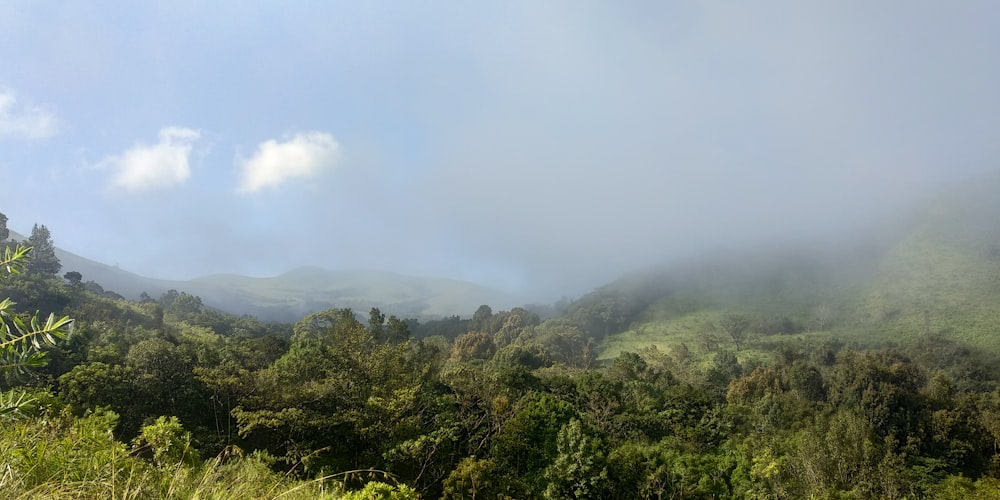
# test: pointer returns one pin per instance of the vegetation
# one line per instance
(787, 377)
(43, 258)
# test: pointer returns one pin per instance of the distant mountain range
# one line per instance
(305, 290)
(937, 270)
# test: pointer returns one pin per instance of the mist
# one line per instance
(543, 149)
(708, 129)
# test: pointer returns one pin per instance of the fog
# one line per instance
(611, 140)
(539, 147)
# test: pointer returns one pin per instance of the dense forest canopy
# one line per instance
(783, 376)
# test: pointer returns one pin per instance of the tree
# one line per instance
(481, 318)
(337, 399)
(4, 232)
(396, 330)
(90, 386)
(186, 304)
(74, 277)
(43, 252)
(737, 327)
(376, 323)
(473, 345)
(527, 443)
(169, 443)
(578, 470)
(472, 478)
(164, 381)
(516, 322)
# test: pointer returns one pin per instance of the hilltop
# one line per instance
(294, 294)
(933, 272)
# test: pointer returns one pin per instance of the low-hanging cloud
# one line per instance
(587, 155)
(162, 165)
(24, 121)
(300, 156)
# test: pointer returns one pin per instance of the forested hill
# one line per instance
(290, 296)
(936, 272)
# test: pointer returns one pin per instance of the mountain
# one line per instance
(308, 289)
(290, 296)
(111, 278)
(934, 271)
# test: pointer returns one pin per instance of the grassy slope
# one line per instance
(808, 292)
(941, 275)
(944, 277)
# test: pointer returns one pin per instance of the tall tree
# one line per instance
(43, 252)
(578, 470)
(4, 232)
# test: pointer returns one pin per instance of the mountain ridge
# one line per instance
(935, 274)
(300, 291)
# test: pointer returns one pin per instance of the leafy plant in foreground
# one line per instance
(21, 342)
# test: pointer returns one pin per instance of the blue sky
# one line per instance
(541, 147)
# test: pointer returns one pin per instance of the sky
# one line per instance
(540, 147)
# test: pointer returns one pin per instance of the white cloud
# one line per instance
(302, 155)
(161, 165)
(25, 121)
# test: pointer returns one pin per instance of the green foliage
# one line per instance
(660, 470)
(963, 488)
(43, 255)
(60, 454)
(165, 382)
(336, 397)
(15, 404)
(565, 342)
(736, 327)
(481, 319)
(472, 478)
(795, 396)
(473, 345)
(168, 441)
(90, 386)
(4, 232)
(578, 470)
(21, 342)
(884, 386)
(21, 346)
(449, 327)
(527, 442)
(376, 490)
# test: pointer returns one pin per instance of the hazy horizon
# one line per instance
(538, 148)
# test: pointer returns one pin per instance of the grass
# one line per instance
(942, 277)
(61, 456)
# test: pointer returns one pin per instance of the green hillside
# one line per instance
(937, 274)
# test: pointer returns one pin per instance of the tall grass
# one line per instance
(61, 456)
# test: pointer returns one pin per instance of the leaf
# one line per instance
(22, 351)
